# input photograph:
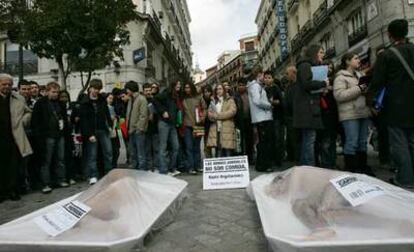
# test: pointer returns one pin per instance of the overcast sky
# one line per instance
(217, 26)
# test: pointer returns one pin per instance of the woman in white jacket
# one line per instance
(262, 118)
(354, 113)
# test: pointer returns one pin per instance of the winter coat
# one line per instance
(165, 102)
(399, 98)
(260, 107)
(20, 119)
(189, 107)
(92, 120)
(137, 114)
(228, 130)
(44, 121)
(351, 102)
(306, 101)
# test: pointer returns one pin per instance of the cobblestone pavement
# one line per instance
(224, 220)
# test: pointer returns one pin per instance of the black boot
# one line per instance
(350, 163)
(363, 164)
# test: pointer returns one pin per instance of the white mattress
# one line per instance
(126, 206)
(382, 224)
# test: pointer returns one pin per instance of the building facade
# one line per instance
(231, 65)
(159, 51)
(340, 26)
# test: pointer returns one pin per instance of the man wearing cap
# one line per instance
(137, 124)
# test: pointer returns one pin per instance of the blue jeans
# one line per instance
(356, 136)
(307, 154)
(137, 147)
(104, 140)
(402, 154)
(192, 150)
(54, 150)
(168, 136)
(152, 150)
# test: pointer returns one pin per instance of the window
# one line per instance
(249, 46)
(356, 22)
(328, 41)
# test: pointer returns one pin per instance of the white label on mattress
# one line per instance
(62, 218)
(226, 173)
(355, 191)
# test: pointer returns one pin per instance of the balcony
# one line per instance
(296, 42)
(292, 5)
(306, 30)
(336, 4)
(156, 20)
(357, 36)
(321, 14)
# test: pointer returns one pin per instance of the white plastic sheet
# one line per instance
(300, 211)
(126, 206)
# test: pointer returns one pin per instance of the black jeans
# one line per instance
(293, 142)
(264, 147)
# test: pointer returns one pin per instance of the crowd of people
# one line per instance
(48, 141)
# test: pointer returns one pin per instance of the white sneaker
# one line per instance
(93, 181)
(175, 173)
(63, 184)
(46, 189)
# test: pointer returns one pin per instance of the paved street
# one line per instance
(224, 220)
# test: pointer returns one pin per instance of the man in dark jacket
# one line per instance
(152, 140)
(48, 124)
(390, 73)
(292, 134)
(95, 124)
(274, 93)
(166, 107)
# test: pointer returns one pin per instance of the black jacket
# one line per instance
(275, 92)
(164, 102)
(92, 119)
(399, 98)
(45, 118)
(306, 106)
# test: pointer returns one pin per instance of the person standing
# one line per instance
(393, 70)
(207, 92)
(167, 108)
(246, 127)
(64, 99)
(48, 123)
(275, 96)
(306, 105)
(137, 124)
(15, 115)
(95, 124)
(326, 137)
(292, 134)
(115, 142)
(221, 113)
(353, 113)
(193, 117)
(262, 118)
(152, 140)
